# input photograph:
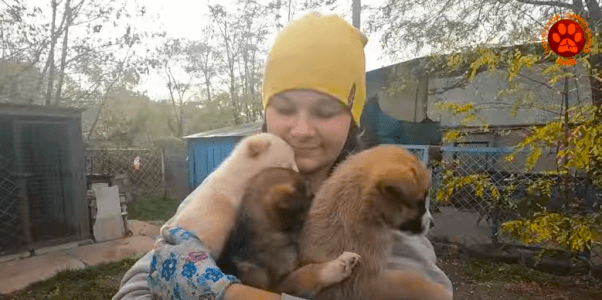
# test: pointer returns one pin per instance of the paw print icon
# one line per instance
(566, 38)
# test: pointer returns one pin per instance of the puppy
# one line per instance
(263, 248)
(369, 196)
(213, 206)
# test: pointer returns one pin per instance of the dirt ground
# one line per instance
(478, 281)
(472, 280)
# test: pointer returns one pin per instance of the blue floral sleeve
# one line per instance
(181, 268)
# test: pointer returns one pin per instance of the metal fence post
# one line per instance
(163, 172)
(494, 226)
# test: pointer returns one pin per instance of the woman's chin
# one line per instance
(307, 165)
(310, 166)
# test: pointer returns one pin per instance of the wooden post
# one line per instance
(163, 172)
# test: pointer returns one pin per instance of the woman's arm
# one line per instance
(134, 284)
(180, 264)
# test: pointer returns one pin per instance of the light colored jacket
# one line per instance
(409, 251)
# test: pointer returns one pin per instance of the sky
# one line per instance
(184, 18)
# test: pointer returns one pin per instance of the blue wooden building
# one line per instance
(206, 150)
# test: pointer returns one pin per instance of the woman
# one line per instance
(313, 96)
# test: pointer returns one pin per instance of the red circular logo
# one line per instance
(566, 38)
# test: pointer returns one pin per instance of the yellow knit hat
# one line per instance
(319, 52)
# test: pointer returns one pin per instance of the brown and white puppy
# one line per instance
(263, 248)
(368, 197)
(212, 208)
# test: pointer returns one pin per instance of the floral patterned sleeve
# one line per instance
(181, 268)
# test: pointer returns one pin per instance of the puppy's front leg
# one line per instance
(310, 279)
(211, 220)
(403, 285)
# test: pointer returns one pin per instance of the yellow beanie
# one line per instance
(322, 53)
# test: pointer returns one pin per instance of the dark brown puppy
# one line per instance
(263, 248)
(368, 197)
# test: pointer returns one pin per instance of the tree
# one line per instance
(478, 24)
(204, 58)
(574, 134)
(243, 37)
(125, 117)
(68, 39)
(289, 8)
(226, 24)
(209, 115)
(357, 8)
(169, 59)
(252, 50)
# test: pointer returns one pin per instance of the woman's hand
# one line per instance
(181, 268)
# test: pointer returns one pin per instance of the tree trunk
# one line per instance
(356, 8)
(232, 97)
(594, 18)
(596, 85)
(51, 55)
(208, 86)
(59, 88)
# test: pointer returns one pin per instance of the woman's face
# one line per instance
(314, 124)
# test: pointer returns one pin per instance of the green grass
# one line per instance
(98, 282)
(153, 209)
(485, 271)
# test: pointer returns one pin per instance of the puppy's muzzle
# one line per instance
(415, 226)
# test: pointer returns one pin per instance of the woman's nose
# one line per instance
(302, 127)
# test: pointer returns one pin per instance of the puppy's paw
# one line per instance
(339, 269)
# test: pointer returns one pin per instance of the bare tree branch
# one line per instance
(549, 3)
(106, 94)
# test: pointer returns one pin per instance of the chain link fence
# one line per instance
(9, 218)
(143, 169)
(472, 215)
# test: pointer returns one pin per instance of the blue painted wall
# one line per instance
(388, 130)
(205, 155)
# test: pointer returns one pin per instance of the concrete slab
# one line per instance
(18, 274)
(52, 249)
(461, 227)
(111, 251)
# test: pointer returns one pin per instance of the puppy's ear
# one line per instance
(278, 193)
(282, 189)
(258, 147)
(393, 191)
(389, 185)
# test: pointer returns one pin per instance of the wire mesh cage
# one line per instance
(40, 182)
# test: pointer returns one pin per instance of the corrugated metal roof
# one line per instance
(240, 130)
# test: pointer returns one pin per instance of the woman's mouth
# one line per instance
(304, 149)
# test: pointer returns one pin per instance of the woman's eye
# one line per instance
(287, 111)
(327, 113)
